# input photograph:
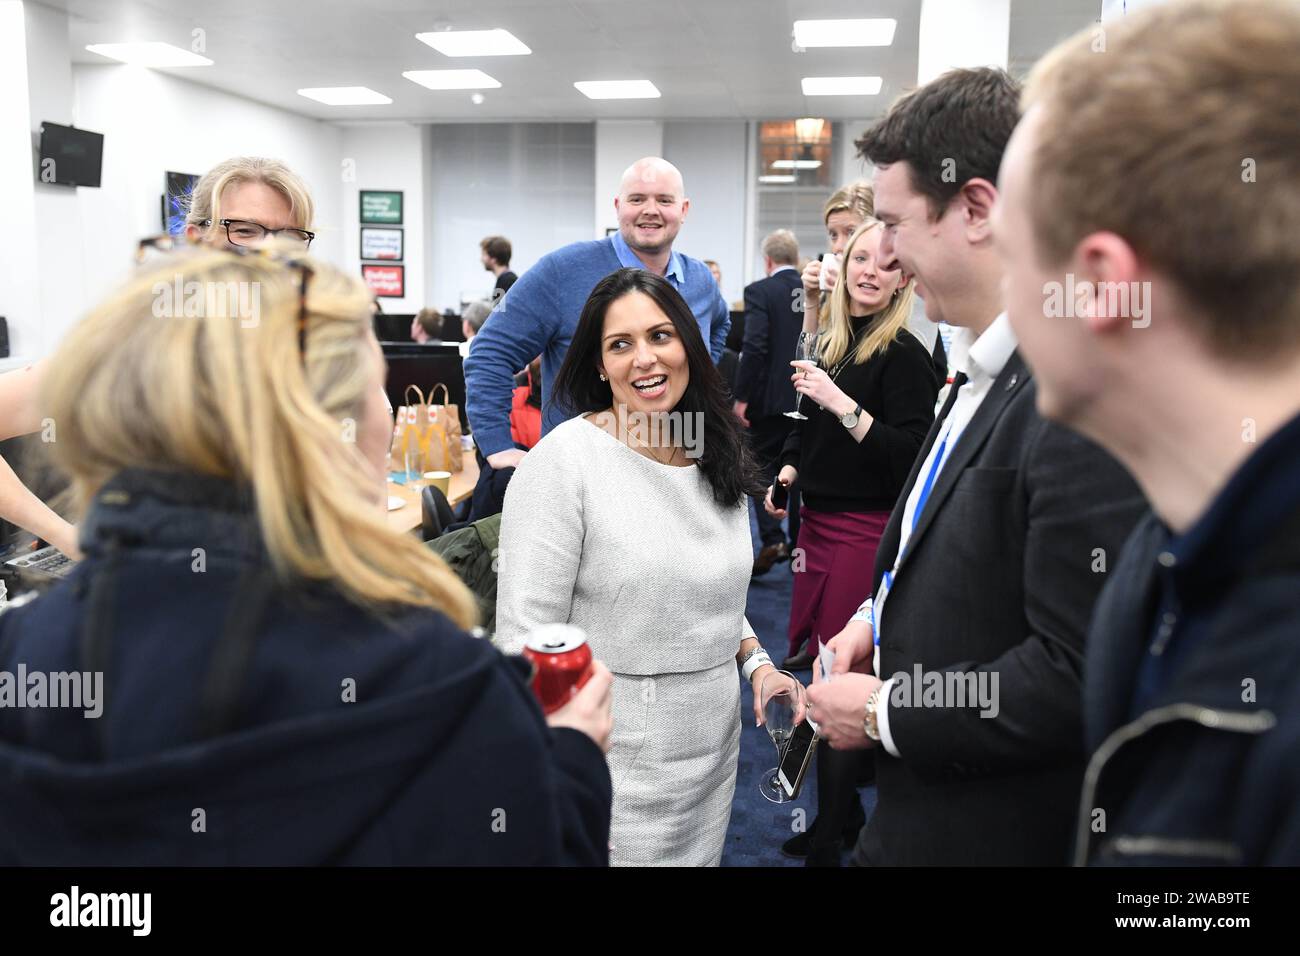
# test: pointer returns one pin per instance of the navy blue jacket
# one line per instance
(1196, 747)
(773, 318)
(226, 738)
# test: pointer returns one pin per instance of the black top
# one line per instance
(504, 281)
(940, 357)
(896, 387)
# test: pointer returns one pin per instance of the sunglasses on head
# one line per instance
(154, 246)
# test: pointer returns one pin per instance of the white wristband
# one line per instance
(863, 613)
(755, 661)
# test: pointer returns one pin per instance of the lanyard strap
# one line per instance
(924, 496)
(958, 382)
(887, 581)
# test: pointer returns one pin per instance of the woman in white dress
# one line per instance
(630, 521)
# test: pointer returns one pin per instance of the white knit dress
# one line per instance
(640, 556)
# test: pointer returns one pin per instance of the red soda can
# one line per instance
(562, 664)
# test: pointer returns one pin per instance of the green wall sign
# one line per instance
(381, 207)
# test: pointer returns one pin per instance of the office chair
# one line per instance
(435, 512)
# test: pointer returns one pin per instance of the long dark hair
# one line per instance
(726, 460)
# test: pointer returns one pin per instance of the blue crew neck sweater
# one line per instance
(539, 315)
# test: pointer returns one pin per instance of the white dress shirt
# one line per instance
(982, 359)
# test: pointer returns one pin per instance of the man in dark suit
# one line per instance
(773, 317)
(987, 572)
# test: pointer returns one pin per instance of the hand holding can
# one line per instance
(591, 709)
(562, 664)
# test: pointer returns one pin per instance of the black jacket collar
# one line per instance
(170, 510)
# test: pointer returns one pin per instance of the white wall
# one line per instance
(711, 157)
(529, 182)
(619, 144)
(19, 300)
(60, 269)
(154, 123)
(387, 157)
(848, 166)
(962, 33)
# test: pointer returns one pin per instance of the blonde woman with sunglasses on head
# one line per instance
(271, 653)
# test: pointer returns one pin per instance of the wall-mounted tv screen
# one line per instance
(70, 156)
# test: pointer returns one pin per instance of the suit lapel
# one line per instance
(1005, 387)
(887, 553)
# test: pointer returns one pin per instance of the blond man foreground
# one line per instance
(1179, 351)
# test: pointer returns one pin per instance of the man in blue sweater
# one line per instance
(540, 313)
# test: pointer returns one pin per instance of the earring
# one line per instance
(602, 376)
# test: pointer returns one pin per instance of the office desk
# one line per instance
(409, 516)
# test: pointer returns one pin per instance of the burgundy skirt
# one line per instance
(838, 551)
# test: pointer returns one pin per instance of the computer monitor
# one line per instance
(393, 328)
(425, 366)
(397, 328)
(452, 328)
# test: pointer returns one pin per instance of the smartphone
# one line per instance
(798, 755)
(780, 495)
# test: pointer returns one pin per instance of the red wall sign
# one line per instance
(387, 282)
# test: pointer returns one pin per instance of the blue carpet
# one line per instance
(758, 828)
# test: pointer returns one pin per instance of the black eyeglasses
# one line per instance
(242, 232)
(155, 246)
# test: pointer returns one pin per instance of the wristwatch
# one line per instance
(869, 724)
(850, 420)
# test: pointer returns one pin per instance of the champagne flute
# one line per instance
(781, 698)
(807, 351)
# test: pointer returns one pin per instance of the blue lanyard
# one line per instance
(875, 630)
(916, 514)
(929, 482)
